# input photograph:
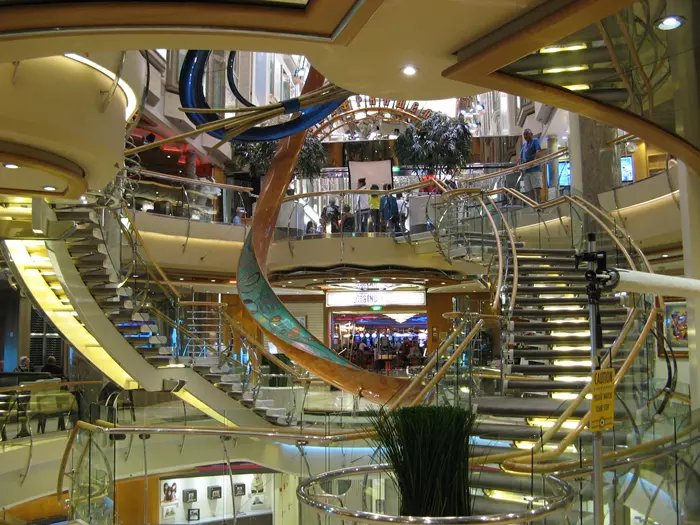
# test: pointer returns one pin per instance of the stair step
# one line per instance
(543, 260)
(108, 303)
(573, 312)
(127, 317)
(282, 421)
(545, 326)
(549, 370)
(561, 252)
(529, 268)
(527, 407)
(136, 330)
(77, 214)
(540, 290)
(87, 234)
(548, 278)
(547, 354)
(573, 301)
(86, 249)
(229, 387)
(559, 339)
(546, 385)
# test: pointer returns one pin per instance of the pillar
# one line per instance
(684, 62)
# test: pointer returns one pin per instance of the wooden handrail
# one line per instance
(519, 167)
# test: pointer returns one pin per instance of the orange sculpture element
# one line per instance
(349, 378)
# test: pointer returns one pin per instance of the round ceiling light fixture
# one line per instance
(49, 188)
(11, 166)
(409, 70)
(670, 22)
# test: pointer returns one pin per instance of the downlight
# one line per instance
(49, 188)
(409, 70)
(668, 23)
(11, 166)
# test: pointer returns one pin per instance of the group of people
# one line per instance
(406, 353)
(25, 365)
(369, 212)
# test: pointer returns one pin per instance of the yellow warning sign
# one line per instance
(603, 404)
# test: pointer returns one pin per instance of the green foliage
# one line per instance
(438, 143)
(256, 157)
(428, 450)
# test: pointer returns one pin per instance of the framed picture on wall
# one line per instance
(192, 514)
(167, 512)
(676, 329)
(214, 492)
(676, 324)
(239, 489)
(189, 496)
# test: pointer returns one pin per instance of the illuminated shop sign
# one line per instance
(375, 298)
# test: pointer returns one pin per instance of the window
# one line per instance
(627, 168)
(44, 341)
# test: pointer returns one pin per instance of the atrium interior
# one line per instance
(299, 262)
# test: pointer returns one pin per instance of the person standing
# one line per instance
(374, 201)
(331, 215)
(532, 176)
(390, 211)
(361, 207)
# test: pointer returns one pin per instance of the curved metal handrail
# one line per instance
(507, 171)
(564, 495)
(514, 251)
(495, 302)
(400, 189)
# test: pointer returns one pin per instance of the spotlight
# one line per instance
(11, 166)
(670, 22)
(409, 70)
(49, 188)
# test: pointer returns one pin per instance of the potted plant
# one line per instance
(428, 450)
(439, 144)
(256, 157)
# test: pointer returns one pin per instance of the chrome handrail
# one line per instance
(564, 497)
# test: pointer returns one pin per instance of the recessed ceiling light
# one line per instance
(213, 280)
(409, 70)
(284, 286)
(11, 166)
(665, 255)
(315, 280)
(393, 278)
(670, 22)
(289, 282)
(168, 156)
(182, 278)
(443, 283)
(47, 188)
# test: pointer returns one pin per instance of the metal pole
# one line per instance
(593, 304)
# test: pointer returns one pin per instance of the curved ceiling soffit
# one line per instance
(587, 107)
(479, 66)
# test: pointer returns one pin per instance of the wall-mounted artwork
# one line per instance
(192, 514)
(677, 324)
(257, 486)
(239, 489)
(169, 492)
(189, 496)
(676, 327)
(167, 512)
(214, 492)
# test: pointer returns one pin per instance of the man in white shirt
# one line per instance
(361, 202)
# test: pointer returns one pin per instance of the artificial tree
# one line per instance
(440, 144)
(256, 157)
(428, 450)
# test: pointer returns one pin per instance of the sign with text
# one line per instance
(603, 402)
(375, 298)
